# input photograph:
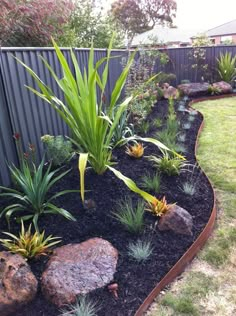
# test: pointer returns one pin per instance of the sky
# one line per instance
(201, 15)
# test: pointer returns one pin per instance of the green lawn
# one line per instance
(209, 288)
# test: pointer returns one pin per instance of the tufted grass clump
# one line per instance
(187, 125)
(188, 188)
(131, 217)
(140, 250)
(82, 307)
(171, 166)
(181, 137)
(151, 182)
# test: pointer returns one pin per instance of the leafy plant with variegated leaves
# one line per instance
(29, 245)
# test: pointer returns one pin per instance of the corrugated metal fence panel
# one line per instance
(7, 145)
(115, 68)
(30, 116)
(181, 63)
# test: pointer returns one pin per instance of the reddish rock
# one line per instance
(178, 220)
(18, 285)
(194, 89)
(223, 86)
(170, 92)
(77, 269)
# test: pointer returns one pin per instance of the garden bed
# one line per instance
(135, 280)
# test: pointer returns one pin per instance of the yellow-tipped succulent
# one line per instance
(158, 207)
(135, 150)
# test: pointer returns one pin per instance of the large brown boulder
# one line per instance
(194, 89)
(77, 269)
(223, 87)
(18, 285)
(178, 220)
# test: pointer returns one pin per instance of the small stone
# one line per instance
(194, 89)
(178, 220)
(77, 269)
(18, 285)
(89, 204)
(223, 86)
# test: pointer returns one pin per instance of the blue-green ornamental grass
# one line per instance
(140, 250)
(82, 307)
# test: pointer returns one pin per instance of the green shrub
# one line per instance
(58, 149)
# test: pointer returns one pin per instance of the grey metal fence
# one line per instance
(23, 112)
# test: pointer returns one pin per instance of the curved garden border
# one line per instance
(179, 267)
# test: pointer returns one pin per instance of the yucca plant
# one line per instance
(29, 245)
(227, 67)
(31, 193)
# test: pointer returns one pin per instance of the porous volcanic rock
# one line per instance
(178, 220)
(18, 285)
(223, 86)
(77, 269)
(194, 89)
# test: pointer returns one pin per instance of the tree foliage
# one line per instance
(33, 22)
(89, 22)
(138, 16)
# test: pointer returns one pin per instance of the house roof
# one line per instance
(163, 35)
(224, 29)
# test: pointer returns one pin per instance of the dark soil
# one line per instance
(135, 280)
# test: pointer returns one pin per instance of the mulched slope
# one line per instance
(135, 280)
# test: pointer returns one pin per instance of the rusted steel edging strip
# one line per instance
(181, 264)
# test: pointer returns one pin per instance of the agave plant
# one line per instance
(29, 245)
(227, 67)
(31, 195)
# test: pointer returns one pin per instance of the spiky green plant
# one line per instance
(140, 250)
(226, 64)
(130, 216)
(31, 195)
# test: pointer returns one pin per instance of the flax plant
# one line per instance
(91, 125)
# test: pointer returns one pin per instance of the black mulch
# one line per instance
(135, 280)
